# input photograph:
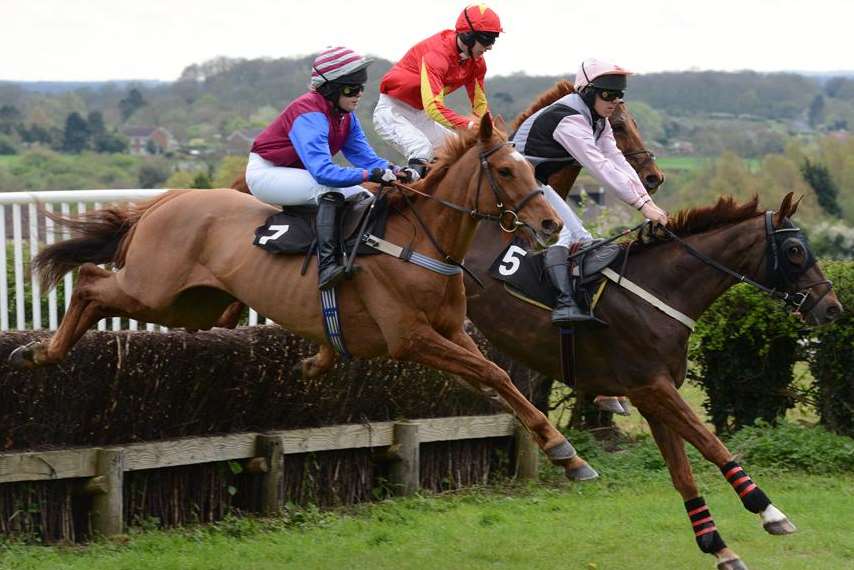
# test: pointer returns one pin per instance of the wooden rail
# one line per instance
(103, 468)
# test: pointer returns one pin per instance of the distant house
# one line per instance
(240, 141)
(149, 140)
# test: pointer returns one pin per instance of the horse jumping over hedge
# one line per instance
(187, 255)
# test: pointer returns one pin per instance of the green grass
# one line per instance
(599, 526)
(693, 163)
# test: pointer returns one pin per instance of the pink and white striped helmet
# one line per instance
(334, 63)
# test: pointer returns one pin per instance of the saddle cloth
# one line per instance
(522, 271)
(291, 231)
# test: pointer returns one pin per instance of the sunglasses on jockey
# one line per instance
(351, 90)
(610, 94)
(485, 39)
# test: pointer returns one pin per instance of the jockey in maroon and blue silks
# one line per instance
(291, 160)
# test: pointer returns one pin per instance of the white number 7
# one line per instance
(278, 231)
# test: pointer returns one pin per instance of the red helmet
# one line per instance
(478, 18)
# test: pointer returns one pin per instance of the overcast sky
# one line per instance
(56, 40)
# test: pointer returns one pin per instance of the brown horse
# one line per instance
(184, 257)
(643, 352)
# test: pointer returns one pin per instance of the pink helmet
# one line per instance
(335, 63)
(609, 75)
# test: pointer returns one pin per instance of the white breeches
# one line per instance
(285, 186)
(572, 230)
(407, 129)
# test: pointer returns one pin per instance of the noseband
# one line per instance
(648, 157)
(779, 273)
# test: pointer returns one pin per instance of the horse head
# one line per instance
(791, 266)
(630, 142)
(503, 187)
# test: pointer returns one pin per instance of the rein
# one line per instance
(500, 199)
(794, 299)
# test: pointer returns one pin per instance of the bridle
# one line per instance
(779, 272)
(507, 217)
(649, 157)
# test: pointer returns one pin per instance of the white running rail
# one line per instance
(23, 306)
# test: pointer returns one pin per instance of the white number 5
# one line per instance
(513, 262)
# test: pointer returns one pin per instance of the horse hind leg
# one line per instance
(319, 364)
(96, 296)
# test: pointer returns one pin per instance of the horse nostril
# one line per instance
(652, 181)
(832, 313)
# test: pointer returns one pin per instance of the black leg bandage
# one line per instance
(705, 530)
(752, 497)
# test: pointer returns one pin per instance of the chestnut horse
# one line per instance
(187, 255)
(643, 352)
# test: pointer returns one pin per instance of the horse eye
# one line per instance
(796, 252)
(505, 172)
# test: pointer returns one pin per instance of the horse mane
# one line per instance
(725, 211)
(558, 90)
(449, 153)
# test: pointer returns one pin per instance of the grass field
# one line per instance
(640, 525)
(692, 163)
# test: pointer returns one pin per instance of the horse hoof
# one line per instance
(784, 526)
(609, 405)
(734, 564)
(24, 357)
(583, 473)
(627, 408)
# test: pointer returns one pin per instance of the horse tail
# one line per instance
(100, 236)
(240, 185)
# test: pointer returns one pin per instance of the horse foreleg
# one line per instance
(662, 401)
(230, 318)
(672, 448)
(461, 356)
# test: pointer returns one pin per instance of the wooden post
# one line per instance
(270, 448)
(527, 455)
(107, 506)
(406, 472)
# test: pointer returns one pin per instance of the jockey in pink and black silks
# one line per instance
(291, 160)
(411, 114)
(575, 130)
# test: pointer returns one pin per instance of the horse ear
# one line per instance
(486, 127)
(500, 123)
(785, 210)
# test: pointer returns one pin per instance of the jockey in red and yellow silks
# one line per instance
(411, 114)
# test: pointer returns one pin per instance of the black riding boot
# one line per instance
(566, 311)
(326, 224)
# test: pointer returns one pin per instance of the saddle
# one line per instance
(524, 276)
(291, 231)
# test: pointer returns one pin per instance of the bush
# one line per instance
(745, 347)
(791, 447)
(832, 361)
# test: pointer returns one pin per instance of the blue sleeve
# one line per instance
(358, 150)
(310, 137)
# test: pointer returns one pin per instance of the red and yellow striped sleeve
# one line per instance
(433, 96)
(477, 96)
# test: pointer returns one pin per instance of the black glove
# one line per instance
(382, 176)
(408, 174)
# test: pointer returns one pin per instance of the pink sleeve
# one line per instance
(603, 159)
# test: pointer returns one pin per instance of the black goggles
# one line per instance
(485, 39)
(610, 94)
(352, 90)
